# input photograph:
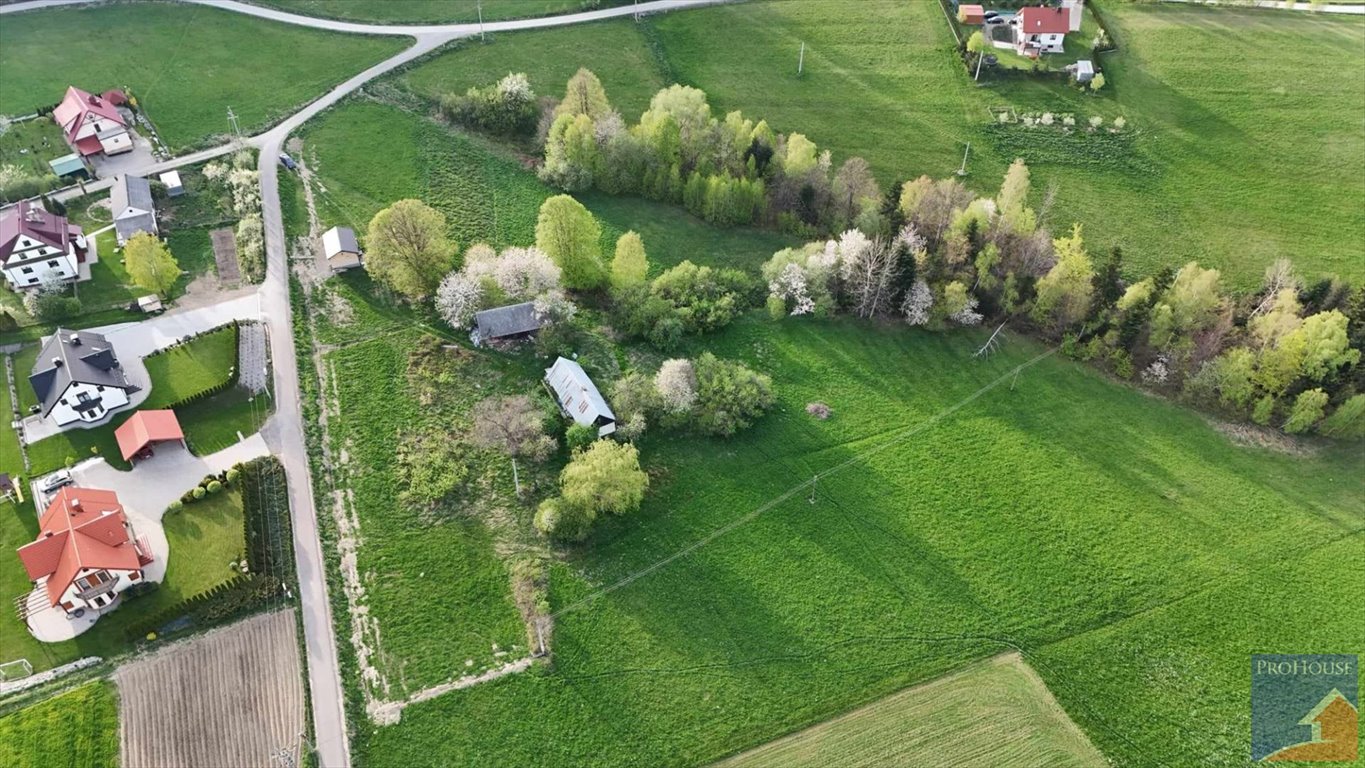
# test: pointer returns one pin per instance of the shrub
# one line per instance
(1264, 410)
(606, 477)
(507, 107)
(1347, 421)
(818, 410)
(231, 475)
(579, 436)
(563, 522)
(175, 506)
(729, 396)
(214, 486)
(198, 492)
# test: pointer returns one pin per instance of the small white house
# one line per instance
(171, 181)
(341, 248)
(78, 378)
(578, 396)
(87, 552)
(35, 244)
(130, 200)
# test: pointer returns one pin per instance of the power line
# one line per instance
(901, 435)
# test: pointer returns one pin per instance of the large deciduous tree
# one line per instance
(407, 248)
(514, 426)
(584, 95)
(571, 236)
(150, 263)
(605, 478)
(629, 266)
(1064, 292)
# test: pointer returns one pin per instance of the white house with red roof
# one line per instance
(35, 243)
(1041, 30)
(92, 124)
(86, 553)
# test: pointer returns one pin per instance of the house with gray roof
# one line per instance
(77, 377)
(578, 396)
(510, 322)
(341, 249)
(130, 200)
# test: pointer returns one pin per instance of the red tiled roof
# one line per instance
(1044, 21)
(147, 427)
(70, 114)
(32, 220)
(83, 528)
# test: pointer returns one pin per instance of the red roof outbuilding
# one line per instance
(145, 428)
(82, 529)
(971, 14)
(1044, 21)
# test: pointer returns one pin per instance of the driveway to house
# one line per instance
(284, 431)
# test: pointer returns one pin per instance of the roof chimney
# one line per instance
(75, 503)
(75, 340)
(94, 99)
(56, 362)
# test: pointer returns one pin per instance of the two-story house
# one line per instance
(92, 124)
(35, 243)
(86, 552)
(78, 378)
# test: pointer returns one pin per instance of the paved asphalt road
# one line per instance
(284, 432)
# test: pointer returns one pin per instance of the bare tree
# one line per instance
(870, 277)
(513, 425)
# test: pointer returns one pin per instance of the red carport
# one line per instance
(146, 428)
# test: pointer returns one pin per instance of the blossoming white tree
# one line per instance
(676, 383)
(917, 303)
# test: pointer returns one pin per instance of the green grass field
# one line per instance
(197, 366)
(31, 144)
(203, 538)
(428, 12)
(186, 64)
(78, 729)
(1039, 518)
(1232, 160)
(993, 713)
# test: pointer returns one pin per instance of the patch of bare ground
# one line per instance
(232, 697)
(1253, 436)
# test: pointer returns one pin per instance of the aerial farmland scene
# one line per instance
(643, 383)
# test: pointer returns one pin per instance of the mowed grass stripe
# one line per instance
(994, 713)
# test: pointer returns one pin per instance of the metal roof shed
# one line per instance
(68, 165)
(171, 181)
(503, 322)
(578, 396)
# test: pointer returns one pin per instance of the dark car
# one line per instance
(288, 162)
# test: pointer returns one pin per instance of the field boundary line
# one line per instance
(901, 435)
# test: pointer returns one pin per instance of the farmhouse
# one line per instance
(78, 378)
(514, 321)
(35, 244)
(86, 552)
(92, 124)
(578, 396)
(341, 248)
(1041, 30)
(139, 435)
(130, 200)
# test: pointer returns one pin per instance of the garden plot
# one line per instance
(233, 697)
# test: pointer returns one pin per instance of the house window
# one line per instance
(583, 407)
(27, 270)
(52, 263)
(94, 580)
(83, 397)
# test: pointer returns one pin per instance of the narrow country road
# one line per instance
(284, 432)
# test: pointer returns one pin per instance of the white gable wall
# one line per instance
(31, 260)
(109, 399)
(122, 580)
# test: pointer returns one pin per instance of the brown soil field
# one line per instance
(232, 697)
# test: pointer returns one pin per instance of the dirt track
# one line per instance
(230, 698)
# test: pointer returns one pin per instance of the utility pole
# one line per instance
(481, 37)
(801, 60)
(232, 121)
(980, 57)
(515, 479)
(815, 479)
(962, 171)
(636, 12)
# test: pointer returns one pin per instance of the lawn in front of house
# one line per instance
(204, 538)
(185, 64)
(199, 365)
(29, 145)
(76, 729)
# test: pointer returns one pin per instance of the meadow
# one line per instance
(185, 64)
(995, 712)
(428, 12)
(77, 729)
(1043, 514)
(1229, 159)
